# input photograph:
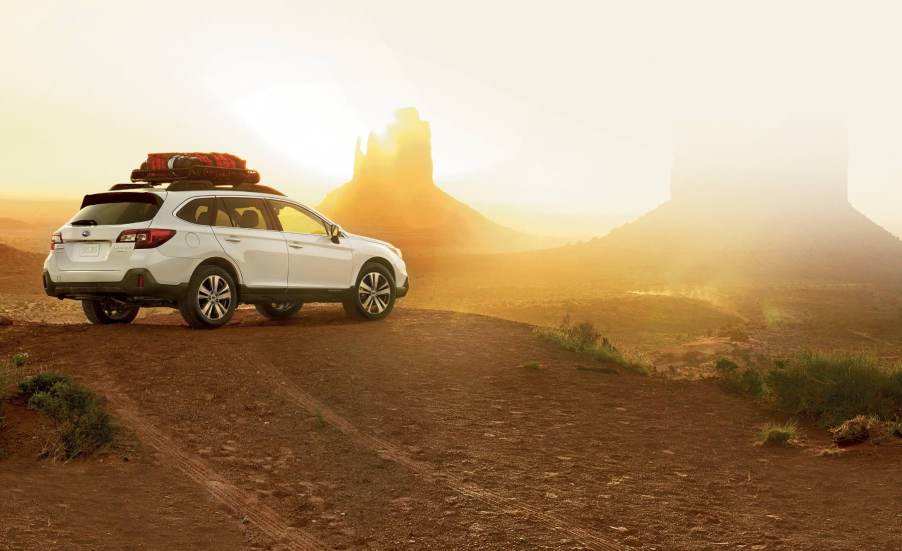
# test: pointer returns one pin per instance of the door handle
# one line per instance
(295, 245)
(233, 239)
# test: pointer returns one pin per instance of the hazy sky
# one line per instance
(540, 111)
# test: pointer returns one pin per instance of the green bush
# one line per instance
(833, 388)
(740, 381)
(41, 382)
(725, 365)
(584, 338)
(20, 358)
(778, 434)
(84, 424)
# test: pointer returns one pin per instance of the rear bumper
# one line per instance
(137, 284)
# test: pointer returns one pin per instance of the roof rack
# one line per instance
(200, 185)
(234, 176)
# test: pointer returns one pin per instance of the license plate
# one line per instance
(89, 249)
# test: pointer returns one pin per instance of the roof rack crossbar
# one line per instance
(210, 173)
(201, 185)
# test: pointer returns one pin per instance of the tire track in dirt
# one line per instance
(387, 450)
(240, 502)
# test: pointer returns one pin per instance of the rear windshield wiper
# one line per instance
(85, 222)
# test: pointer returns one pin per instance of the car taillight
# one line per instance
(56, 239)
(145, 239)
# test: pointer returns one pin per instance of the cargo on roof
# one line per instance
(217, 168)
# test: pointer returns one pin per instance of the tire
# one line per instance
(278, 311)
(211, 298)
(369, 302)
(107, 311)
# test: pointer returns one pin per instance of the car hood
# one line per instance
(371, 240)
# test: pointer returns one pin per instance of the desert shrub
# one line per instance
(835, 388)
(20, 358)
(778, 434)
(746, 381)
(532, 365)
(84, 424)
(897, 429)
(854, 431)
(739, 381)
(725, 365)
(584, 338)
(41, 382)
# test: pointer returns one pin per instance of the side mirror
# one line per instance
(335, 232)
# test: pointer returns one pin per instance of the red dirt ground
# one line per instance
(424, 431)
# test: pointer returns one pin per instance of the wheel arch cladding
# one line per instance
(225, 265)
(379, 260)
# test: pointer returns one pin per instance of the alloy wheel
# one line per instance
(214, 297)
(374, 292)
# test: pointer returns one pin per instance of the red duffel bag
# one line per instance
(165, 161)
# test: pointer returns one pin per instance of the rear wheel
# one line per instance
(211, 298)
(278, 310)
(108, 310)
(373, 297)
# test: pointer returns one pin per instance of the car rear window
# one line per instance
(111, 209)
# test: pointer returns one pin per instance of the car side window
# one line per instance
(297, 220)
(246, 212)
(203, 211)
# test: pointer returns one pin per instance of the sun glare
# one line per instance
(311, 119)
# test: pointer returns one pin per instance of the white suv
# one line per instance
(204, 248)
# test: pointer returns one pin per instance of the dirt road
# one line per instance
(424, 431)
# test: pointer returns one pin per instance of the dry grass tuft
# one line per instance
(584, 338)
(854, 431)
(778, 434)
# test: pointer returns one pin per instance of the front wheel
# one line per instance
(108, 310)
(211, 298)
(373, 297)
(278, 310)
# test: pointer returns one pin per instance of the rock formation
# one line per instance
(393, 196)
(761, 201)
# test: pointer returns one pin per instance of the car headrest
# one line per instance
(204, 219)
(249, 219)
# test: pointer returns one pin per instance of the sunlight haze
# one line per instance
(547, 119)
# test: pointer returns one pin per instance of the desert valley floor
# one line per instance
(425, 431)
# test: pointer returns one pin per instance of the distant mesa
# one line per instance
(750, 202)
(797, 164)
(393, 196)
(12, 223)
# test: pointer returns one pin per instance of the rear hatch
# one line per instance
(89, 239)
